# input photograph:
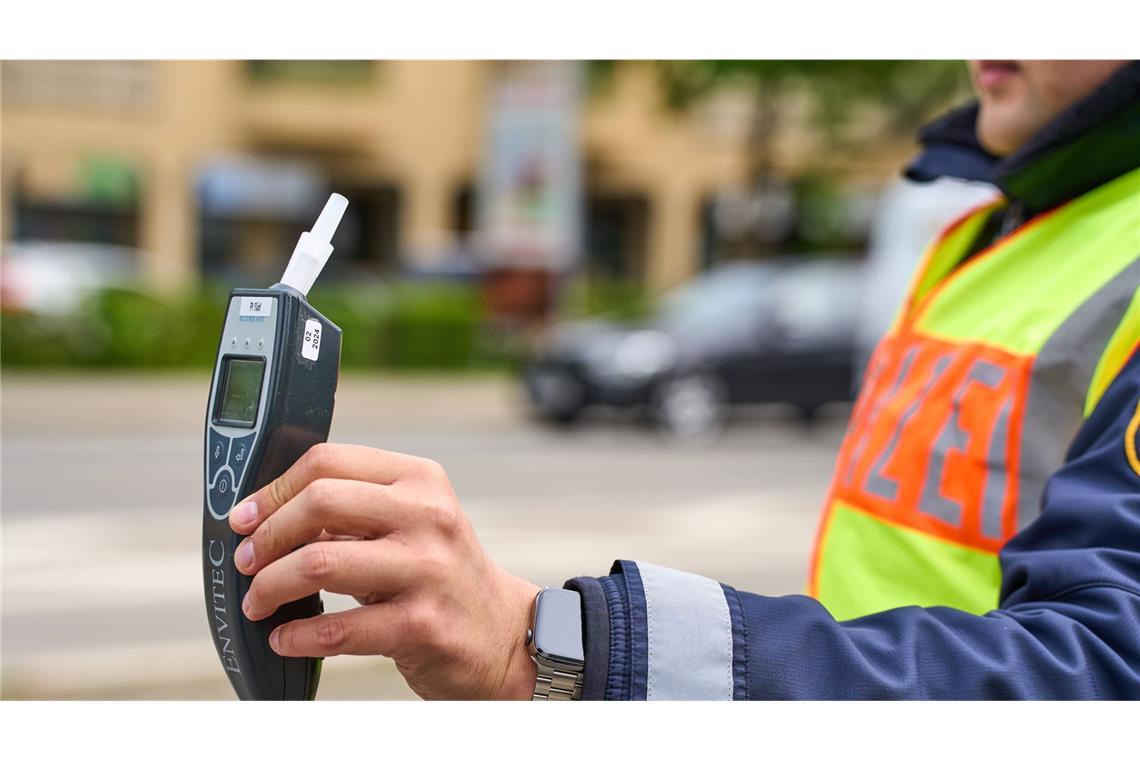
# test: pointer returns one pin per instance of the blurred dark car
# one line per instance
(774, 332)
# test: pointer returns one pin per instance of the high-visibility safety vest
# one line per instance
(971, 400)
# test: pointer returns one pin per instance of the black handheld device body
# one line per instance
(271, 399)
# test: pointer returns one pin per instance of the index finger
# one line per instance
(324, 460)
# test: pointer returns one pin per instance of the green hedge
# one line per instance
(117, 328)
(406, 326)
(613, 299)
(409, 326)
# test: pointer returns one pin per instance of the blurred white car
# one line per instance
(54, 277)
(908, 217)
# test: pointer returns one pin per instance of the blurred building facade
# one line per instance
(209, 166)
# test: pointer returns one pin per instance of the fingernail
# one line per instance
(273, 638)
(245, 605)
(243, 557)
(245, 513)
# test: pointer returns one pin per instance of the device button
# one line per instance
(219, 446)
(240, 450)
(222, 494)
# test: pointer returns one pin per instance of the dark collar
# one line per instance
(1095, 140)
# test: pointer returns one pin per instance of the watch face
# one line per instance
(558, 625)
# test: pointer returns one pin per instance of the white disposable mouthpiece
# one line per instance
(314, 247)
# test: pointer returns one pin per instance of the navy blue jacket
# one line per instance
(1068, 621)
(1068, 625)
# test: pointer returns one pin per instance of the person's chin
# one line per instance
(999, 131)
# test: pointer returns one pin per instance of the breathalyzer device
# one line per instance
(271, 399)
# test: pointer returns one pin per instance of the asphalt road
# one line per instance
(100, 502)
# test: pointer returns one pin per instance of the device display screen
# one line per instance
(241, 391)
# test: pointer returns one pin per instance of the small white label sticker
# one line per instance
(257, 307)
(311, 345)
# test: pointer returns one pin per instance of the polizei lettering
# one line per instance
(217, 552)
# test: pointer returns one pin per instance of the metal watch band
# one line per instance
(557, 685)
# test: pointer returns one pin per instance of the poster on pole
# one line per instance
(530, 190)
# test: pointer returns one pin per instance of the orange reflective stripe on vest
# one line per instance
(971, 401)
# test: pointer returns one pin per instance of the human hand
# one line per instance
(388, 529)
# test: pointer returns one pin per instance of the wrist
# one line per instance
(521, 675)
(521, 671)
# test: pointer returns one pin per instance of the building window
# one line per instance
(97, 201)
(257, 246)
(369, 234)
(616, 236)
(68, 221)
(463, 211)
(93, 85)
(311, 72)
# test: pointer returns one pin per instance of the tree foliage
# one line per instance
(903, 93)
(909, 91)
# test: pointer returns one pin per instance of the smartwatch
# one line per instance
(555, 644)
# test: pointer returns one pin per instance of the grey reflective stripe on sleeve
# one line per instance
(1059, 382)
(689, 634)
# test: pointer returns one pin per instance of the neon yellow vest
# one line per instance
(971, 400)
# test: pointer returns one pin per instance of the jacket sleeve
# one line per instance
(1067, 626)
